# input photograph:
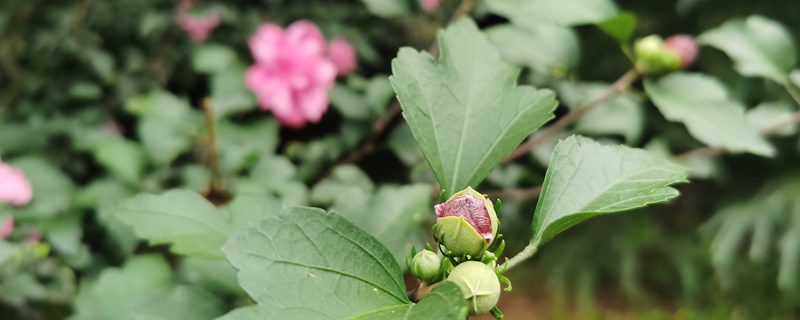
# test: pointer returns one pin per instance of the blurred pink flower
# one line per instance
(684, 46)
(198, 27)
(429, 5)
(7, 227)
(292, 74)
(14, 187)
(343, 56)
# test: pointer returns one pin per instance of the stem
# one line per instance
(217, 183)
(523, 255)
(769, 131)
(621, 85)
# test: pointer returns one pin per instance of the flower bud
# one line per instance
(425, 265)
(479, 284)
(684, 46)
(467, 223)
(653, 56)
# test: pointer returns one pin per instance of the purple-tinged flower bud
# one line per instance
(467, 223)
(425, 265)
(479, 284)
(684, 46)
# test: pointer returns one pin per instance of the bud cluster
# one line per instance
(468, 242)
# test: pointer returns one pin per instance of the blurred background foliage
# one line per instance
(102, 99)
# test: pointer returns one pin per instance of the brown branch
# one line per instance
(621, 85)
(217, 182)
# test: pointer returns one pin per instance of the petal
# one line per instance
(266, 44)
(313, 104)
(303, 38)
(343, 56)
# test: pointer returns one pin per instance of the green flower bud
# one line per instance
(653, 56)
(479, 284)
(425, 265)
(467, 223)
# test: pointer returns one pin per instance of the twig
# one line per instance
(80, 15)
(217, 183)
(621, 85)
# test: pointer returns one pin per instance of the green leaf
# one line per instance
(179, 303)
(587, 179)
(342, 177)
(465, 110)
(242, 145)
(445, 302)
(620, 27)
(387, 8)
(274, 175)
(703, 104)
(545, 47)
(402, 143)
(392, 215)
(159, 104)
(621, 115)
(214, 275)
(165, 140)
(758, 46)
(229, 93)
(212, 58)
(116, 290)
(188, 221)
(349, 103)
(773, 116)
(310, 264)
(565, 12)
(122, 158)
(794, 76)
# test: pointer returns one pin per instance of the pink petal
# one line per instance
(343, 56)
(313, 104)
(429, 5)
(304, 39)
(472, 210)
(266, 44)
(7, 227)
(14, 187)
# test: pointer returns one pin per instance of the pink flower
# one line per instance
(684, 46)
(7, 227)
(292, 74)
(197, 26)
(429, 5)
(14, 187)
(343, 55)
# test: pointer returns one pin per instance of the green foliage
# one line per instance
(586, 179)
(758, 46)
(705, 107)
(188, 221)
(178, 303)
(623, 115)
(464, 123)
(116, 291)
(567, 12)
(546, 48)
(294, 263)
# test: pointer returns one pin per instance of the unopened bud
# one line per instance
(467, 223)
(425, 265)
(479, 284)
(684, 46)
(653, 56)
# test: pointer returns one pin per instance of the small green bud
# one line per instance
(425, 265)
(653, 56)
(467, 223)
(479, 284)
